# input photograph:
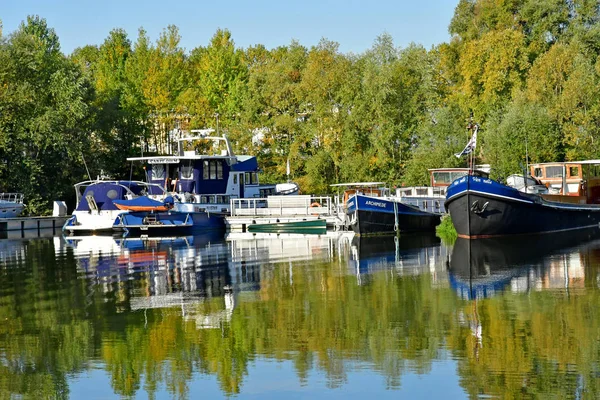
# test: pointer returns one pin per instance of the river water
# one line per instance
(300, 316)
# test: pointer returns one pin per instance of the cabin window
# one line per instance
(203, 199)
(112, 194)
(158, 171)
(538, 172)
(187, 172)
(251, 178)
(554, 171)
(235, 179)
(212, 170)
(441, 177)
(574, 171)
(422, 192)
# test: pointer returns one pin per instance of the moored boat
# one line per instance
(167, 222)
(314, 226)
(207, 180)
(482, 208)
(374, 215)
(11, 205)
(96, 211)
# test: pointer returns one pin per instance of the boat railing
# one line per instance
(421, 191)
(302, 205)
(12, 197)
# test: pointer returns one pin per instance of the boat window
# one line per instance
(235, 179)
(203, 199)
(112, 194)
(538, 172)
(212, 170)
(555, 171)
(187, 171)
(441, 177)
(421, 192)
(255, 178)
(574, 171)
(205, 170)
(158, 171)
(248, 181)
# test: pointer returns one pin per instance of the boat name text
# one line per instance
(163, 161)
(375, 203)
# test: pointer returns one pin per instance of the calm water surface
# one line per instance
(300, 316)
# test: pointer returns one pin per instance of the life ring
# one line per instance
(315, 204)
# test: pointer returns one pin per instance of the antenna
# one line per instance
(86, 167)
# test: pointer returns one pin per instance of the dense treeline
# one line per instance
(526, 70)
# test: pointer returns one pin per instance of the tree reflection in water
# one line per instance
(520, 320)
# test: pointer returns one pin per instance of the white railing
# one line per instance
(12, 197)
(283, 206)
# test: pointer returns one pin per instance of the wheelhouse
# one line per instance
(578, 179)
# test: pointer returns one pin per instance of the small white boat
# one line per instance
(11, 205)
(95, 211)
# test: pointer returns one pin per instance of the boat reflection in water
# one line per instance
(409, 254)
(159, 272)
(481, 268)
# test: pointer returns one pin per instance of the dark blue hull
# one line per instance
(373, 215)
(171, 222)
(483, 208)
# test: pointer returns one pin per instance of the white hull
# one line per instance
(10, 210)
(102, 221)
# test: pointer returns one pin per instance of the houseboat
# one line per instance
(204, 174)
(371, 210)
(482, 208)
(572, 181)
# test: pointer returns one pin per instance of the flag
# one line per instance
(470, 146)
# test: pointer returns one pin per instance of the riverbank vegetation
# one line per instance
(527, 71)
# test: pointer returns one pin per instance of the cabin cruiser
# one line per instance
(203, 172)
(11, 205)
(96, 211)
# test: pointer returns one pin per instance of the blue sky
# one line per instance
(353, 24)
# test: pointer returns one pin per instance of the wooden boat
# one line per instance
(569, 182)
(482, 208)
(315, 226)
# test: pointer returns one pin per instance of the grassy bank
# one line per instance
(445, 230)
